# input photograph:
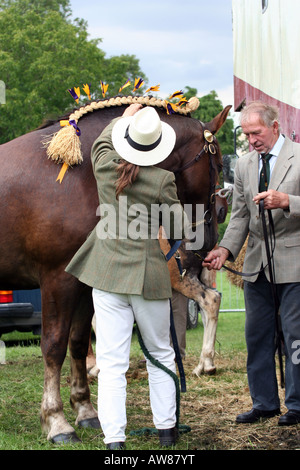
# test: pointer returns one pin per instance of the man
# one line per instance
(260, 124)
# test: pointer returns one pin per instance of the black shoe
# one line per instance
(255, 415)
(116, 446)
(290, 418)
(168, 437)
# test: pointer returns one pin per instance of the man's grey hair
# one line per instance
(268, 113)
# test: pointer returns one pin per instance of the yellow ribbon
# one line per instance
(62, 172)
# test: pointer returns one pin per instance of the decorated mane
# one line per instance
(65, 147)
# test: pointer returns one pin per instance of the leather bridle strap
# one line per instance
(190, 163)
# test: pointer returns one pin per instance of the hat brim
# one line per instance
(151, 157)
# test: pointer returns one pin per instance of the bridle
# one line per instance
(210, 149)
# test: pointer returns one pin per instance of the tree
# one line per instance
(42, 55)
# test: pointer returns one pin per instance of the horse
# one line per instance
(43, 222)
(199, 284)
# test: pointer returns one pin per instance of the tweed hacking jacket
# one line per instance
(111, 260)
(245, 217)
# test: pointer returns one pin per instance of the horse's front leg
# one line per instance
(79, 345)
(209, 303)
(91, 365)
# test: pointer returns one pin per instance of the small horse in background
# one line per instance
(197, 284)
(43, 224)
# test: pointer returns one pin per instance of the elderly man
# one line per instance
(260, 124)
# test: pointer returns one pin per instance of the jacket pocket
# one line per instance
(293, 241)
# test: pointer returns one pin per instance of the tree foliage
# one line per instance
(43, 53)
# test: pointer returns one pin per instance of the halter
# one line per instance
(210, 149)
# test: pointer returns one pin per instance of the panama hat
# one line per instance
(143, 139)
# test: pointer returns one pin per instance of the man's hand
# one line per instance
(273, 199)
(216, 258)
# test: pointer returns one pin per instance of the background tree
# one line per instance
(210, 106)
(43, 53)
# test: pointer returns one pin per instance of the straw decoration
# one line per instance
(65, 147)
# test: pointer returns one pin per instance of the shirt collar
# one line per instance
(278, 146)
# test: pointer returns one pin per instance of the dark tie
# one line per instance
(265, 173)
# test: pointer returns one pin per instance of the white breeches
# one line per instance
(115, 316)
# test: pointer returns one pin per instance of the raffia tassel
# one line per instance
(193, 104)
(65, 147)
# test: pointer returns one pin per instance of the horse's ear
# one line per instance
(218, 121)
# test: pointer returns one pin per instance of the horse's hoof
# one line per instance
(67, 438)
(211, 371)
(90, 423)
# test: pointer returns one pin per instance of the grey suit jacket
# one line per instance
(120, 263)
(245, 218)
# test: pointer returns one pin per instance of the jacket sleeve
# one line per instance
(238, 227)
(103, 144)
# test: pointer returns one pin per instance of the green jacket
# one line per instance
(111, 261)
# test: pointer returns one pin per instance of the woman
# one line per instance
(124, 264)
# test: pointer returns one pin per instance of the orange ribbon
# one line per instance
(62, 172)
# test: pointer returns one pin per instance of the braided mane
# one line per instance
(191, 106)
(64, 146)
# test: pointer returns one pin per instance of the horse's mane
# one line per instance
(64, 146)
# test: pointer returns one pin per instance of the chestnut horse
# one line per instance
(43, 223)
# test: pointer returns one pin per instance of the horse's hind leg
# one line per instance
(56, 321)
(59, 301)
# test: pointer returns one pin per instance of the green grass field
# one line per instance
(209, 406)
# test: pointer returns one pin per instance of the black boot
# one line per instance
(168, 437)
(116, 446)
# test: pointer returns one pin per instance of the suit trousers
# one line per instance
(260, 333)
(115, 317)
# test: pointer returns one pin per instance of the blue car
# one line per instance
(20, 310)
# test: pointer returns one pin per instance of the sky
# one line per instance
(178, 43)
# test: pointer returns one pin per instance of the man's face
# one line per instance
(260, 137)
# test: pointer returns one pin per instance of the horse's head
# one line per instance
(196, 162)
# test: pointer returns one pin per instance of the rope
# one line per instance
(152, 431)
(226, 193)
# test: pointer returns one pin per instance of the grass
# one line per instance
(209, 407)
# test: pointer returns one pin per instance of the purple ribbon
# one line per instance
(73, 94)
(73, 123)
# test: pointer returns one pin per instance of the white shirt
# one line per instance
(274, 152)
